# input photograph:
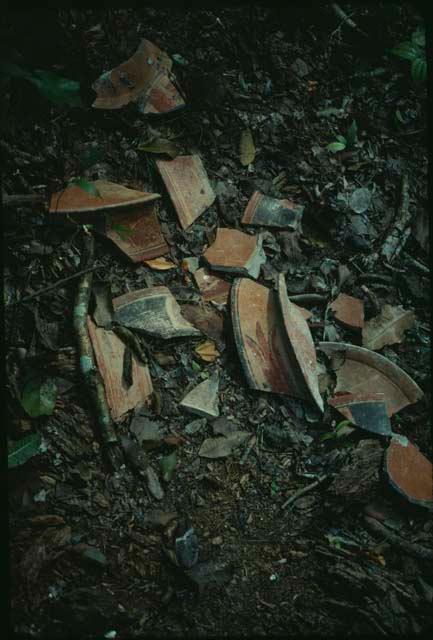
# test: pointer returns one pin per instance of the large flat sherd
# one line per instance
(109, 353)
(265, 211)
(153, 311)
(365, 410)
(203, 399)
(76, 200)
(348, 310)
(211, 287)
(262, 343)
(187, 183)
(364, 371)
(144, 79)
(409, 472)
(301, 343)
(236, 252)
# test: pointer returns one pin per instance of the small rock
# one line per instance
(217, 541)
(300, 68)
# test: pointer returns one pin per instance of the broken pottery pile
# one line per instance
(271, 333)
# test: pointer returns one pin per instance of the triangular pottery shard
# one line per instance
(75, 200)
(387, 328)
(153, 311)
(261, 340)
(187, 183)
(203, 399)
(236, 252)
(126, 216)
(109, 353)
(365, 410)
(144, 79)
(348, 310)
(409, 472)
(364, 371)
(302, 345)
(269, 212)
(211, 287)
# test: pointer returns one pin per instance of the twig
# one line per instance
(305, 490)
(131, 340)
(375, 277)
(400, 231)
(372, 297)
(411, 548)
(345, 18)
(91, 375)
(54, 286)
(308, 298)
(18, 200)
(247, 451)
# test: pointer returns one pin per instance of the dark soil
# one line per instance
(313, 567)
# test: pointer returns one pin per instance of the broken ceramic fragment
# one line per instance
(153, 311)
(143, 79)
(187, 183)
(387, 328)
(126, 216)
(206, 319)
(203, 399)
(364, 371)
(236, 252)
(301, 342)
(265, 211)
(348, 310)
(409, 472)
(109, 352)
(262, 343)
(76, 200)
(365, 410)
(211, 287)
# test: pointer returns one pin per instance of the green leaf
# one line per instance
(327, 436)
(57, 89)
(406, 51)
(160, 145)
(342, 139)
(352, 134)
(343, 423)
(399, 117)
(336, 146)
(418, 37)
(123, 232)
(168, 465)
(85, 185)
(419, 69)
(19, 451)
(39, 397)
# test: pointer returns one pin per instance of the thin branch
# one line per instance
(411, 548)
(305, 490)
(54, 286)
(400, 230)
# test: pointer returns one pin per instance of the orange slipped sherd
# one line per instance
(265, 211)
(236, 252)
(189, 188)
(348, 310)
(409, 472)
(109, 353)
(211, 287)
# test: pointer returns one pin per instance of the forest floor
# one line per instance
(86, 548)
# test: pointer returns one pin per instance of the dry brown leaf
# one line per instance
(207, 351)
(247, 150)
(222, 447)
(387, 328)
(160, 145)
(160, 264)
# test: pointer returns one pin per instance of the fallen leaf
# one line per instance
(153, 484)
(247, 150)
(207, 351)
(22, 450)
(222, 447)
(387, 328)
(160, 145)
(160, 264)
(39, 397)
(168, 465)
